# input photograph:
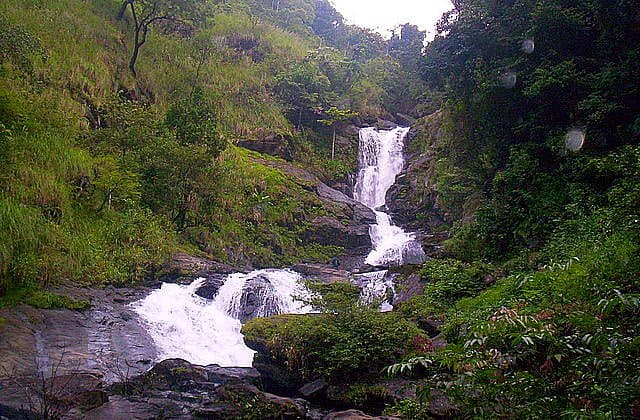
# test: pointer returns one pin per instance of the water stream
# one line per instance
(381, 161)
(207, 331)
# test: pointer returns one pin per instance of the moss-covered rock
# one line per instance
(341, 346)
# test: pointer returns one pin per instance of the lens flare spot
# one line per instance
(575, 139)
(509, 79)
(528, 46)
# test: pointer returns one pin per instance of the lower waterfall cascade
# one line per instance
(187, 326)
(204, 331)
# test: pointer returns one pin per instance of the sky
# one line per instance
(383, 15)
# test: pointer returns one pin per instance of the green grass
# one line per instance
(42, 300)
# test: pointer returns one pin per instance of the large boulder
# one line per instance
(330, 231)
(360, 213)
(209, 287)
(258, 299)
(323, 273)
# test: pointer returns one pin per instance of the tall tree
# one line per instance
(335, 116)
(147, 13)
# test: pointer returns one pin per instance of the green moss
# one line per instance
(356, 340)
(42, 300)
(47, 300)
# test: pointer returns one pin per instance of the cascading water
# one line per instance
(203, 331)
(381, 161)
(184, 325)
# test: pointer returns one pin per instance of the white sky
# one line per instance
(383, 15)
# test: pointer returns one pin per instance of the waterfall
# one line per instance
(380, 161)
(202, 331)
(207, 331)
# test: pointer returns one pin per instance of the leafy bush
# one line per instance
(341, 345)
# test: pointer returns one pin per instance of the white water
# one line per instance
(375, 287)
(184, 325)
(381, 161)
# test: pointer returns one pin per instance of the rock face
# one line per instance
(323, 273)
(108, 338)
(330, 231)
(344, 223)
(210, 286)
(258, 298)
(413, 201)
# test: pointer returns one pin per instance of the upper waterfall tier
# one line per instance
(380, 161)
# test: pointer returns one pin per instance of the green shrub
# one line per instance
(351, 342)
(450, 280)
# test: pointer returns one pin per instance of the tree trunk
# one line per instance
(333, 145)
(134, 58)
(299, 118)
(123, 9)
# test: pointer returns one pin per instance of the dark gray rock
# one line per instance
(323, 273)
(271, 145)
(314, 389)
(227, 375)
(329, 231)
(361, 213)
(210, 286)
(259, 299)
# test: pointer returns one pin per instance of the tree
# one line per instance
(194, 123)
(334, 116)
(304, 87)
(146, 13)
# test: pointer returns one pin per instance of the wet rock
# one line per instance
(259, 299)
(210, 286)
(323, 273)
(329, 231)
(315, 389)
(108, 338)
(361, 213)
(270, 145)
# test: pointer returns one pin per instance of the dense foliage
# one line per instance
(346, 340)
(539, 166)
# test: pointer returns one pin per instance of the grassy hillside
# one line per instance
(104, 174)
